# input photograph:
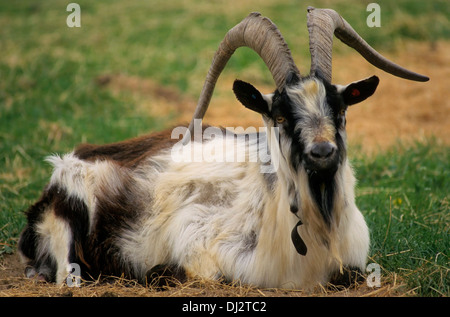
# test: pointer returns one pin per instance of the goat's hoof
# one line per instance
(33, 273)
(161, 276)
(351, 276)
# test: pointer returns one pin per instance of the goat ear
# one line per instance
(359, 90)
(250, 97)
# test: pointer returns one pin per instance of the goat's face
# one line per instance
(310, 115)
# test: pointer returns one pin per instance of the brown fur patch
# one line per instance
(310, 88)
(130, 152)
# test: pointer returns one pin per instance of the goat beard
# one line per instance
(322, 185)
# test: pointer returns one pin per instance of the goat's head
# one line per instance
(310, 116)
(309, 111)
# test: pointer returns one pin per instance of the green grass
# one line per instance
(404, 195)
(49, 103)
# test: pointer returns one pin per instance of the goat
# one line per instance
(133, 207)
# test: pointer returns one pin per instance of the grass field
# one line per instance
(52, 98)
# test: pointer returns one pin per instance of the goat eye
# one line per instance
(342, 112)
(280, 119)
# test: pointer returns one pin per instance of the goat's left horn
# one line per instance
(262, 36)
(322, 24)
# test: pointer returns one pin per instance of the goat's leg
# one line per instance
(354, 248)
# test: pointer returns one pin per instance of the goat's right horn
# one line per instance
(262, 36)
(323, 24)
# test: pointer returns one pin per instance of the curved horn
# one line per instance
(262, 36)
(322, 24)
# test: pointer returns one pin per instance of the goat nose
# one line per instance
(322, 150)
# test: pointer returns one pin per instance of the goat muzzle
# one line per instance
(322, 160)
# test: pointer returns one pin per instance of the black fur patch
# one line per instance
(117, 210)
(28, 238)
(351, 276)
(250, 97)
(323, 189)
(282, 107)
(44, 265)
(72, 210)
(271, 180)
(75, 212)
(250, 242)
(334, 99)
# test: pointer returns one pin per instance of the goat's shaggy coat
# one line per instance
(125, 208)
